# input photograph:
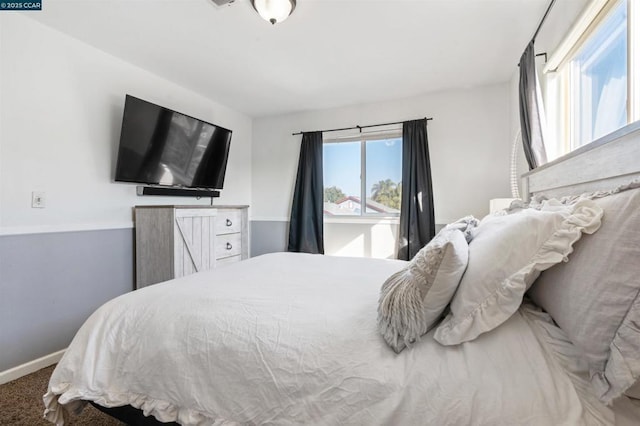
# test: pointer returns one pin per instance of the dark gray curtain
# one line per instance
(305, 226)
(530, 122)
(417, 223)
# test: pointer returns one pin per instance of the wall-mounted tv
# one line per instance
(159, 146)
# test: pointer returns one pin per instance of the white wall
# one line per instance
(469, 144)
(361, 239)
(62, 104)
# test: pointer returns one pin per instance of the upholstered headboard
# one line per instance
(604, 164)
(600, 289)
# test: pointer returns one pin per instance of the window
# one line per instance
(590, 88)
(599, 72)
(363, 177)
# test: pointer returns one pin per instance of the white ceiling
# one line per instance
(329, 53)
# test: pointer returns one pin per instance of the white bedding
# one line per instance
(292, 339)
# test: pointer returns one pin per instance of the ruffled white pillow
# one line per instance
(413, 299)
(507, 254)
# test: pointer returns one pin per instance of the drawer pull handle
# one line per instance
(229, 223)
(229, 246)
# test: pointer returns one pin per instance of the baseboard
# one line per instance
(30, 367)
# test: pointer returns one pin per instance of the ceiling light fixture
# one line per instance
(274, 11)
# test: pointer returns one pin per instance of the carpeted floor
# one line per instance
(21, 404)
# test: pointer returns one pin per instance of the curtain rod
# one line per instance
(539, 27)
(359, 127)
(543, 19)
(538, 55)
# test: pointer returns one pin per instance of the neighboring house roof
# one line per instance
(352, 204)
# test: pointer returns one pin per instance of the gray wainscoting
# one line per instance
(268, 236)
(50, 283)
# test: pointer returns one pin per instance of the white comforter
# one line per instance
(291, 339)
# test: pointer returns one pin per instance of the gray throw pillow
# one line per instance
(595, 297)
(413, 299)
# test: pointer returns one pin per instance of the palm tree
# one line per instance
(383, 187)
(387, 192)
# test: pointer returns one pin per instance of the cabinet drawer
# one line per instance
(228, 245)
(228, 222)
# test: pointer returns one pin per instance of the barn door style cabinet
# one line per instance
(174, 241)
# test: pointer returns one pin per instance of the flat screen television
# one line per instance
(159, 146)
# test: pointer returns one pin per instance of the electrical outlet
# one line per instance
(37, 200)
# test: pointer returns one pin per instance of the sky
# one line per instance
(603, 74)
(342, 164)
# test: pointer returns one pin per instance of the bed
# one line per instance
(290, 338)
